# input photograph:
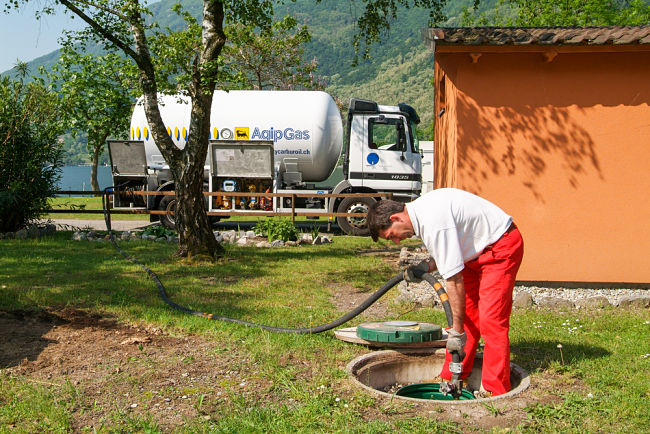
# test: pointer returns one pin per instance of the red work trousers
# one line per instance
(489, 281)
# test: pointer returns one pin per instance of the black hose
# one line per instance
(316, 329)
(442, 294)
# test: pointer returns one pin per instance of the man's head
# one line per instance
(389, 220)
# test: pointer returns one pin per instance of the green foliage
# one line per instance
(98, 92)
(553, 13)
(271, 59)
(30, 153)
(314, 230)
(159, 231)
(277, 228)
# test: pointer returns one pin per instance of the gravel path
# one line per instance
(118, 225)
(614, 295)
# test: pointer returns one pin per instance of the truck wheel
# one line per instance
(168, 203)
(354, 225)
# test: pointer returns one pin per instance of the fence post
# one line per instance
(293, 208)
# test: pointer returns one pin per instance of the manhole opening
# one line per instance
(385, 372)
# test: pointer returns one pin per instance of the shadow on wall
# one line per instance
(533, 138)
(520, 117)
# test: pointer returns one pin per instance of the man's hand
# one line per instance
(456, 342)
(414, 272)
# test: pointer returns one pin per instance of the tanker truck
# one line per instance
(279, 142)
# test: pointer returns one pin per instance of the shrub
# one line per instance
(278, 228)
(30, 154)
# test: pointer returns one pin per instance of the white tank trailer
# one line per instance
(304, 132)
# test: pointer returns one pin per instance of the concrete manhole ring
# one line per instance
(379, 370)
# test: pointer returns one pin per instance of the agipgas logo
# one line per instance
(241, 133)
(275, 135)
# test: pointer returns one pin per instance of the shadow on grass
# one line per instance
(539, 355)
(22, 332)
(54, 272)
(19, 342)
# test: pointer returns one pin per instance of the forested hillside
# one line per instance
(400, 68)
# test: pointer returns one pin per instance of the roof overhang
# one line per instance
(537, 39)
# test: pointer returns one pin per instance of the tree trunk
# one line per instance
(196, 239)
(93, 170)
(97, 148)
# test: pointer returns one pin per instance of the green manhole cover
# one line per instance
(399, 331)
(430, 391)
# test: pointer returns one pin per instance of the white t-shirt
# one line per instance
(456, 226)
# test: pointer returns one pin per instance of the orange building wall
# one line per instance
(563, 146)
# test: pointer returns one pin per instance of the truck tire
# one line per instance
(168, 203)
(354, 225)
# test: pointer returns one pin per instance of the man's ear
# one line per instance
(397, 217)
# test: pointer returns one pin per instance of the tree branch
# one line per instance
(99, 29)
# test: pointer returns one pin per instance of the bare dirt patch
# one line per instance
(123, 369)
(347, 297)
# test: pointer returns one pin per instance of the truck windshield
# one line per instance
(386, 134)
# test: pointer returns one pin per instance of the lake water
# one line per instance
(78, 178)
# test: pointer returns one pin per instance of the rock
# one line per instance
(125, 235)
(107, 237)
(242, 241)
(317, 241)
(307, 238)
(22, 234)
(523, 300)
(229, 236)
(263, 244)
(635, 302)
(10, 236)
(250, 234)
(598, 302)
(555, 303)
(160, 239)
(326, 240)
(49, 229)
(291, 243)
(419, 293)
(33, 231)
(406, 258)
(277, 243)
(219, 238)
(78, 236)
(92, 234)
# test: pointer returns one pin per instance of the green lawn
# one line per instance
(600, 383)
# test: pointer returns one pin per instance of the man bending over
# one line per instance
(477, 249)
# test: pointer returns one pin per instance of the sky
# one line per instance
(24, 37)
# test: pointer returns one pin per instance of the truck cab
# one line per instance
(380, 155)
(381, 152)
